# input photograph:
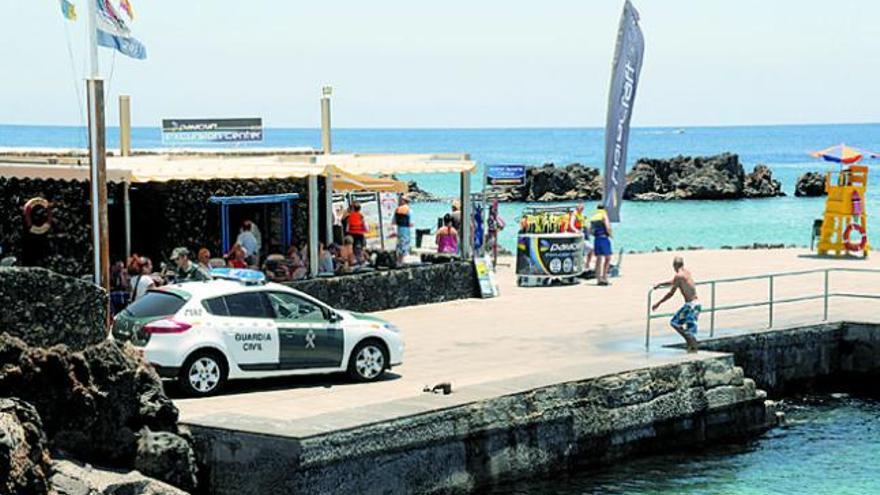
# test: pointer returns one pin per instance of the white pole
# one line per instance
(93, 37)
(313, 225)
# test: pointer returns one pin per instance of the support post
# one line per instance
(313, 225)
(825, 314)
(712, 315)
(326, 145)
(648, 324)
(465, 234)
(126, 202)
(124, 125)
(98, 183)
(327, 148)
(770, 325)
(328, 207)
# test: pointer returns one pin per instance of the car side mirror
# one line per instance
(334, 317)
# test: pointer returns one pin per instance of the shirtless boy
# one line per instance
(684, 321)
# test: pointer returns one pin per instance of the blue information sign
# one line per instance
(506, 175)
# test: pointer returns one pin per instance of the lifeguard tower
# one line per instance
(844, 225)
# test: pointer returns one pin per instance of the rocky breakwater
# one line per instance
(811, 184)
(702, 177)
(93, 401)
(551, 183)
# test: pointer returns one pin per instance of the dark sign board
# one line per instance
(550, 255)
(211, 130)
(506, 175)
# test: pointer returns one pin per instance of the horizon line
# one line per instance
(480, 128)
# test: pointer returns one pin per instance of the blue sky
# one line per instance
(475, 63)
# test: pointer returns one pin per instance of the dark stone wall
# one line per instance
(377, 291)
(796, 359)
(164, 216)
(44, 308)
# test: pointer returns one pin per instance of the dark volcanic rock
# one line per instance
(810, 184)
(92, 403)
(415, 193)
(167, 457)
(24, 462)
(761, 184)
(552, 183)
(685, 177)
(45, 309)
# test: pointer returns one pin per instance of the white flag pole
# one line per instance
(93, 38)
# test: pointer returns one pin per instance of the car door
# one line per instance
(249, 331)
(308, 339)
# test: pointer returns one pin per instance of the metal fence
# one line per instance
(771, 300)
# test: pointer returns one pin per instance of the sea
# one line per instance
(644, 225)
(827, 446)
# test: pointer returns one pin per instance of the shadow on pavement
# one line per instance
(254, 385)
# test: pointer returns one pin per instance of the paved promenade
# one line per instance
(502, 344)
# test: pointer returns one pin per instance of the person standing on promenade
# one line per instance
(578, 224)
(600, 227)
(684, 321)
(403, 224)
(357, 226)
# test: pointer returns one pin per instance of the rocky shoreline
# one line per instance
(716, 177)
(70, 399)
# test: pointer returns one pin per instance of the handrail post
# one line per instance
(712, 315)
(825, 317)
(648, 325)
(771, 301)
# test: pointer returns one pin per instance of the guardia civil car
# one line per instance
(204, 333)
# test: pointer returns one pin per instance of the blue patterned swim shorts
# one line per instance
(686, 317)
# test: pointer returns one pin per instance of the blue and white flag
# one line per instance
(113, 32)
(625, 72)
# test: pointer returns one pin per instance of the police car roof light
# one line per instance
(243, 275)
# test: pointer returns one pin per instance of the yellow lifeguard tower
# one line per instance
(844, 225)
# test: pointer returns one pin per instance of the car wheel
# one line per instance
(368, 361)
(203, 374)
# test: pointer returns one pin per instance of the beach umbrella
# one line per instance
(843, 154)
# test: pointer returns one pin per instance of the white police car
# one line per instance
(203, 333)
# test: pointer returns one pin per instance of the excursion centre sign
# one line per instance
(212, 130)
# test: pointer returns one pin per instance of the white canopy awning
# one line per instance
(202, 166)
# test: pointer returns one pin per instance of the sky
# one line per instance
(455, 63)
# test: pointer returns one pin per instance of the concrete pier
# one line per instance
(542, 378)
(485, 434)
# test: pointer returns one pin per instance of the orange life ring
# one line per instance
(851, 246)
(28, 213)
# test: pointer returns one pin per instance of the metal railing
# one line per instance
(771, 300)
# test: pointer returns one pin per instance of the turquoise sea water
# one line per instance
(644, 226)
(828, 446)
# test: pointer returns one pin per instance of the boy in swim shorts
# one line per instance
(684, 321)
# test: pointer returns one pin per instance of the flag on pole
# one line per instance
(625, 73)
(68, 10)
(113, 32)
(126, 6)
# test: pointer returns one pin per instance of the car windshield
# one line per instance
(156, 303)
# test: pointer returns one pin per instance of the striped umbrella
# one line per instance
(843, 154)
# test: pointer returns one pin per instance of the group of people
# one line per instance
(131, 279)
